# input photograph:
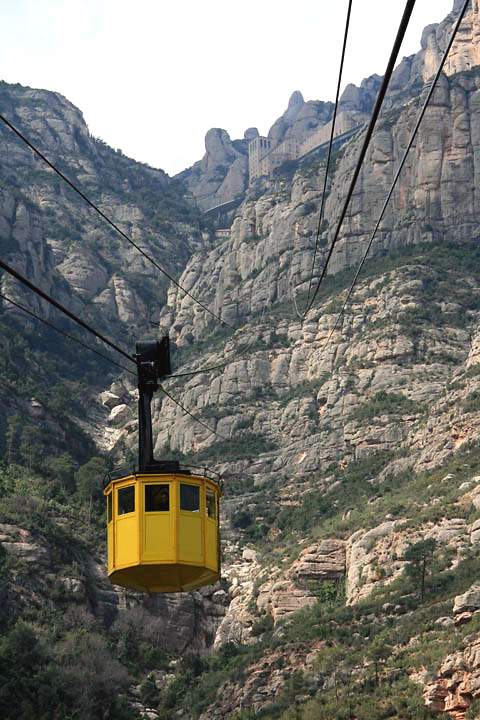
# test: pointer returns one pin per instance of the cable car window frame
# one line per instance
(109, 508)
(211, 503)
(147, 499)
(120, 511)
(194, 490)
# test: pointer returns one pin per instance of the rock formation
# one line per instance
(341, 446)
(222, 174)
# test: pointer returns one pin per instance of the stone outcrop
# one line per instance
(282, 598)
(469, 601)
(377, 556)
(300, 119)
(457, 682)
(324, 560)
(222, 174)
(241, 574)
(264, 681)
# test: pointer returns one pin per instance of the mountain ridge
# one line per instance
(347, 465)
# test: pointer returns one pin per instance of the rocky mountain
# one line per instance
(351, 513)
(72, 243)
(222, 174)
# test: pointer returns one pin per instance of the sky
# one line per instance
(152, 76)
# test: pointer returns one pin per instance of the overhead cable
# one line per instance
(327, 168)
(401, 165)
(21, 278)
(110, 221)
(409, 6)
(65, 334)
(219, 366)
(194, 417)
(105, 357)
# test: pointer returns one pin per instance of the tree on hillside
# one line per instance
(12, 438)
(378, 652)
(335, 663)
(62, 469)
(89, 482)
(419, 557)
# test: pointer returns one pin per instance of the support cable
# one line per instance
(105, 357)
(22, 279)
(409, 6)
(223, 364)
(400, 168)
(187, 412)
(303, 314)
(233, 356)
(110, 221)
(65, 334)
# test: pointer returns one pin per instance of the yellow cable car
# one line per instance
(162, 520)
(163, 530)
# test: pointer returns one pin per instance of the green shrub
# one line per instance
(265, 624)
(384, 403)
(246, 445)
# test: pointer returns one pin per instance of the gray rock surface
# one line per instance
(469, 601)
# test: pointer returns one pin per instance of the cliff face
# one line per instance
(338, 454)
(270, 251)
(44, 222)
(222, 174)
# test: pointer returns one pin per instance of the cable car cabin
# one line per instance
(163, 530)
(162, 521)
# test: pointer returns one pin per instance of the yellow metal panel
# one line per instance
(110, 546)
(158, 538)
(211, 540)
(174, 509)
(158, 528)
(190, 537)
(126, 540)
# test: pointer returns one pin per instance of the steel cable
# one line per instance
(400, 168)
(327, 168)
(109, 221)
(65, 334)
(25, 281)
(409, 6)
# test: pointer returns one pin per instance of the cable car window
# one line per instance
(157, 498)
(126, 500)
(211, 505)
(109, 507)
(189, 497)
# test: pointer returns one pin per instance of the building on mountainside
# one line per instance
(258, 150)
(264, 157)
(347, 122)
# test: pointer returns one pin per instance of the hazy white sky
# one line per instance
(152, 76)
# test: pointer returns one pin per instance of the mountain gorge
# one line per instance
(349, 451)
